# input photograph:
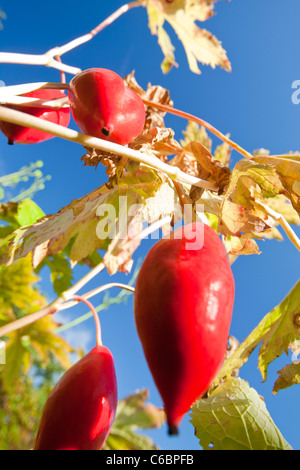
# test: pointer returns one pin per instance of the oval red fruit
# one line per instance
(104, 107)
(26, 135)
(183, 303)
(80, 410)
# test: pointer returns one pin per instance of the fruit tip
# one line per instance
(173, 430)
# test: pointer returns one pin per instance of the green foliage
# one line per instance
(235, 417)
(133, 414)
(277, 331)
(21, 404)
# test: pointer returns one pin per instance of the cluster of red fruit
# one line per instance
(101, 104)
(183, 304)
(183, 298)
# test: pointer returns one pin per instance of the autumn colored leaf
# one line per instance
(89, 223)
(195, 159)
(288, 170)
(17, 290)
(199, 44)
(37, 340)
(288, 375)
(277, 332)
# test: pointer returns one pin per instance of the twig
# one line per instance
(59, 51)
(53, 307)
(23, 119)
(94, 292)
(7, 92)
(201, 122)
(52, 57)
(35, 59)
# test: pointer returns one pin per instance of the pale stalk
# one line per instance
(36, 59)
(201, 122)
(36, 103)
(52, 57)
(23, 119)
(7, 92)
(59, 51)
(94, 292)
(53, 307)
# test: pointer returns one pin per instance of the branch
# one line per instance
(52, 57)
(23, 119)
(53, 307)
(59, 51)
(35, 59)
(201, 122)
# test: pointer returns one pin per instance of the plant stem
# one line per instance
(59, 51)
(94, 292)
(36, 59)
(95, 315)
(201, 122)
(13, 90)
(52, 57)
(23, 119)
(53, 307)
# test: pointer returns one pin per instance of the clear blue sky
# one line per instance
(253, 104)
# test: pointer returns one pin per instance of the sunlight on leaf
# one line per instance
(235, 417)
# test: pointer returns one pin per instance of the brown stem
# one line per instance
(201, 122)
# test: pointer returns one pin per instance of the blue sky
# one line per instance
(252, 103)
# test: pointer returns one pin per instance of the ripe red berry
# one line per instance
(26, 135)
(80, 410)
(183, 305)
(104, 107)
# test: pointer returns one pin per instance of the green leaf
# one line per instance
(28, 212)
(61, 272)
(235, 417)
(132, 414)
(277, 331)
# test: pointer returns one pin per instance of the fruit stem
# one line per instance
(201, 122)
(79, 298)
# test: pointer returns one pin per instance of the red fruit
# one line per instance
(104, 107)
(80, 410)
(183, 304)
(27, 135)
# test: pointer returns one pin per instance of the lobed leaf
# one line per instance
(277, 331)
(235, 417)
(199, 44)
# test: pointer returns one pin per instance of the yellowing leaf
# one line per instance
(195, 133)
(199, 44)
(283, 329)
(288, 375)
(17, 289)
(277, 331)
(288, 170)
(38, 338)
